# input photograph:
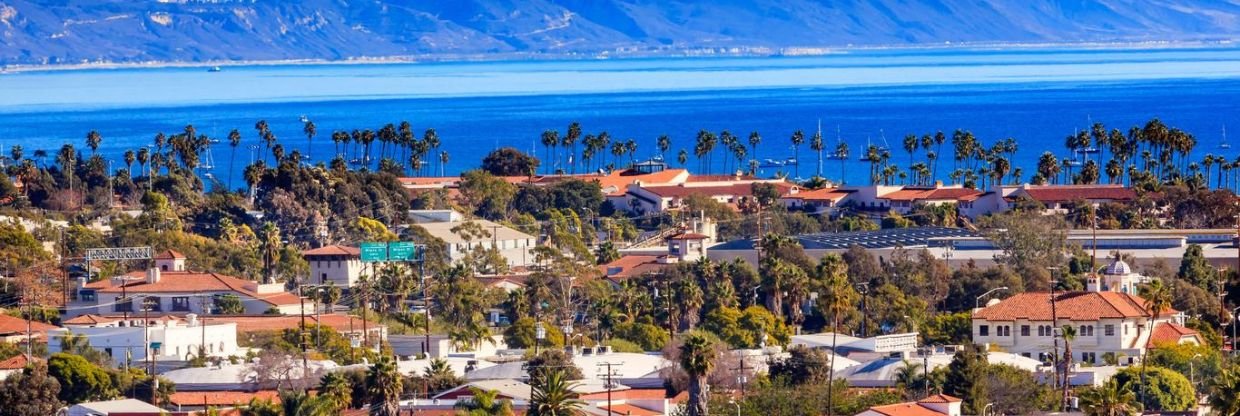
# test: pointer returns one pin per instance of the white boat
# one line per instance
(215, 69)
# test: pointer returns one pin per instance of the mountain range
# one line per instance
(46, 32)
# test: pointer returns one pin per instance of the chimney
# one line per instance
(152, 275)
(192, 319)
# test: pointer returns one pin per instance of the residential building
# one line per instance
(681, 247)
(335, 264)
(16, 330)
(170, 288)
(904, 200)
(818, 201)
(650, 199)
(1107, 322)
(119, 407)
(935, 405)
(197, 401)
(1055, 197)
(513, 245)
(166, 338)
(16, 364)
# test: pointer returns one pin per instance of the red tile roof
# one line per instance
(12, 325)
(626, 409)
(629, 394)
(630, 266)
(905, 409)
(1065, 193)
(17, 362)
(940, 398)
(1075, 306)
(931, 194)
(333, 250)
(221, 398)
(720, 178)
(169, 254)
(259, 323)
(739, 189)
(192, 282)
(823, 194)
(688, 236)
(1170, 333)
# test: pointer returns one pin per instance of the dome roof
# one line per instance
(1117, 267)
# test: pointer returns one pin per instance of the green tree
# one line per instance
(229, 304)
(1015, 391)
(802, 366)
(80, 380)
(697, 359)
(301, 403)
(1165, 389)
(1110, 399)
(487, 195)
(31, 392)
(483, 403)
(1196, 269)
(336, 387)
(552, 361)
(383, 381)
(1224, 392)
(966, 378)
(554, 397)
(1157, 299)
(507, 161)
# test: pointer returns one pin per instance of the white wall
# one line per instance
(177, 341)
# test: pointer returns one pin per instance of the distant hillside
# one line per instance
(49, 32)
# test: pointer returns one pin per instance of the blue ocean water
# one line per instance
(1037, 96)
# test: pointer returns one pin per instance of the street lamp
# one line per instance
(977, 303)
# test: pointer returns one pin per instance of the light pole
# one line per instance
(977, 303)
(1233, 329)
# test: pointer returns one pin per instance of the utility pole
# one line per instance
(1054, 331)
(740, 376)
(29, 331)
(146, 339)
(301, 334)
(609, 384)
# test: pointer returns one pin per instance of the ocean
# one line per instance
(1035, 95)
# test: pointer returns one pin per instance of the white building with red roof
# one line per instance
(130, 341)
(935, 405)
(1106, 321)
(170, 287)
(335, 264)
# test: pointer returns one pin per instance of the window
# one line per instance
(152, 303)
(123, 305)
(180, 304)
(1089, 357)
(1024, 330)
(983, 330)
(1005, 331)
(87, 295)
(1108, 330)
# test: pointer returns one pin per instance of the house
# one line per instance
(935, 405)
(650, 199)
(1055, 197)
(335, 264)
(16, 330)
(904, 200)
(817, 201)
(170, 288)
(188, 401)
(513, 245)
(1107, 322)
(681, 247)
(16, 364)
(120, 407)
(165, 339)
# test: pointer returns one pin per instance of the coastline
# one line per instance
(693, 53)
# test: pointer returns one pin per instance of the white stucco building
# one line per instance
(513, 245)
(336, 264)
(166, 338)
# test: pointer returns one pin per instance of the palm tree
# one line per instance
(663, 143)
(682, 157)
(1157, 299)
(570, 144)
(554, 396)
(384, 383)
(815, 144)
(310, 130)
(1224, 390)
(697, 358)
(1111, 399)
(797, 138)
(836, 297)
(129, 158)
(1069, 335)
(336, 388)
(483, 403)
(299, 403)
(93, 139)
(550, 139)
(754, 140)
(909, 377)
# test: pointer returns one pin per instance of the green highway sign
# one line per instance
(374, 252)
(401, 251)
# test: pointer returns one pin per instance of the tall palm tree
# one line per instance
(1224, 391)
(1111, 399)
(483, 403)
(754, 140)
(836, 297)
(816, 144)
(554, 396)
(550, 140)
(682, 157)
(93, 139)
(384, 383)
(310, 130)
(570, 145)
(335, 386)
(129, 158)
(663, 143)
(1069, 335)
(1157, 299)
(797, 138)
(697, 358)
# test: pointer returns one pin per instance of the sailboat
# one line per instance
(835, 154)
(1224, 144)
(1088, 149)
(884, 147)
